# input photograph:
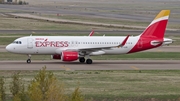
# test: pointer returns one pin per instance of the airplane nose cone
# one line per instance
(8, 48)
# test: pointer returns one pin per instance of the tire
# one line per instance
(82, 60)
(28, 61)
(89, 61)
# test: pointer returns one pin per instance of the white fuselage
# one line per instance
(56, 44)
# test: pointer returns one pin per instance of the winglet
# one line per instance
(124, 41)
(92, 32)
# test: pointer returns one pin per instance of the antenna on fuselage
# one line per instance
(32, 33)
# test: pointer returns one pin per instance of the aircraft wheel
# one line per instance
(89, 61)
(28, 60)
(82, 60)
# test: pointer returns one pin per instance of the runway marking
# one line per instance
(135, 68)
(66, 68)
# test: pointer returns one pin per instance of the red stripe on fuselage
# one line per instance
(154, 32)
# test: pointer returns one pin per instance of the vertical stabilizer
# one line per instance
(158, 25)
(153, 35)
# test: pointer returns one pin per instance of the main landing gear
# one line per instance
(29, 59)
(82, 60)
(88, 61)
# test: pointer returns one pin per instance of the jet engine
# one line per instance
(69, 56)
(56, 56)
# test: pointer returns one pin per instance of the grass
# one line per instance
(121, 85)
(8, 23)
(7, 40)
(99, 20)
(140, 55)
(124, 22)
(11, 56)
(128, 84)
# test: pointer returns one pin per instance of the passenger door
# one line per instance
(30, 43)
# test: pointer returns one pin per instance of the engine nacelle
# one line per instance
(56, 56)
(69, 56)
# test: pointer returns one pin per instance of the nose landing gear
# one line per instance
(29, 59)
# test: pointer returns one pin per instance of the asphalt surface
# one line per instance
(52, 10)
(73, 31)
(97, 65)
(128, 32)
(79, 10)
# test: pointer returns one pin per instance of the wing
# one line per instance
(92, 49)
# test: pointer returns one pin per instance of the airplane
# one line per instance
(71, 48)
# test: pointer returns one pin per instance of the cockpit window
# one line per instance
(17, 42)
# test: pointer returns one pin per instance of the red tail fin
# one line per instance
(158, 26)
(153, 35)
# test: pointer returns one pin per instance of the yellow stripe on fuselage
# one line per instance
(162, 14)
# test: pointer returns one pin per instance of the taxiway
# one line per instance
(97, 65)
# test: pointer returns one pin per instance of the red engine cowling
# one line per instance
(56, 56)
(69, 56)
